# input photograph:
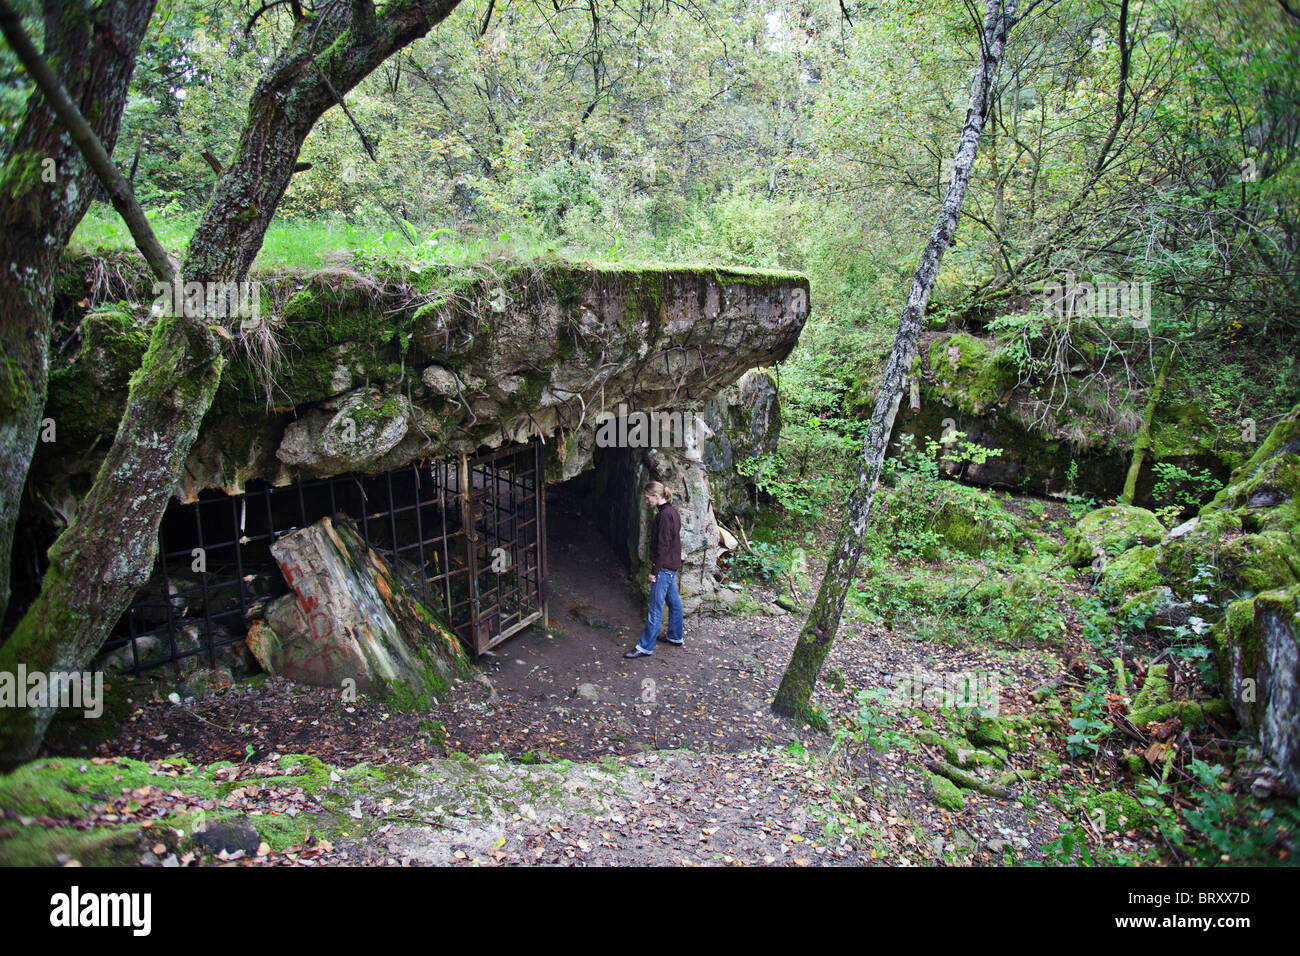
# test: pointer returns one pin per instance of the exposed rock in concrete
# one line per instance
(365, 428)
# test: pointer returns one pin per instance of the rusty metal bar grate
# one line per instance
(467, 535)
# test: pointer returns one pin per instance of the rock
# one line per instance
(1258, 645)
(588, 616)
(945, 793)
(365, 428)
(1111, 531)
(1156, 689)
(565, 328)
(148, 649)
(988, 732)
(349, 619)
(1135, 763)
(1115, 810)
(440, 380)
(1133, 571)
(1158, 606)
(745, 420)
(974, 386)
(1192, 713)
(587, 692)
(959, 753)
(206, 679)
(230, 835)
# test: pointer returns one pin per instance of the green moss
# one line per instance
(1156, 688)
(988, 731)
(1111, 530)
(35, 845)
(959, 753)
(945, 793)
(22, 174)
(970, 373)
(1285, 436)
(1133, 571)
(1181, 428)
(1260, 562)
(1122, 811)
(71, 730)
(1191, 713)
(87, 398)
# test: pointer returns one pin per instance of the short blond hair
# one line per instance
(660, 489)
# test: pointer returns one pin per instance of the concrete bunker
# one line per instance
(434, 416)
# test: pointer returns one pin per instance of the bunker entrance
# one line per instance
(467, 534)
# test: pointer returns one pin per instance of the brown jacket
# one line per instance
(666, 540)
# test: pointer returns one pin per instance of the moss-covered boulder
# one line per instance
(87, 396)
(973, 371)
(960, 518)
(972, 385)
(1132, 572)
(1191, 713)
(945, 793)
(1258, 650)
(1116, 810)
(1243, 542)
(1156, 688)
(354, 433)
(1111, 531)
(987, 731)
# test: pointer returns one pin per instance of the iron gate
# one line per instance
(467, 533)
(505, 511)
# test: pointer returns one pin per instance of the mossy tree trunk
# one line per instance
(107, 553)
(818, 632)
(45, 189)
(1142, 443)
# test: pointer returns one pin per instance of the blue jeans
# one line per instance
(663, 588)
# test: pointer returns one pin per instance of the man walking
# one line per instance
(665, 562)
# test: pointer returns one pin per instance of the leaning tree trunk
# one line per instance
(45, 188)
(818, 632)
(1142, 443)
(98, 563)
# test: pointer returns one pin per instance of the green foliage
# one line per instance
(1088, 722)
(759, 561)
(1221, 826)
(869, 723)
(1181, 488)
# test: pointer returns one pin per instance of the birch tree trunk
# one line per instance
(818, 632)
(107, 553)
(45, 188)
